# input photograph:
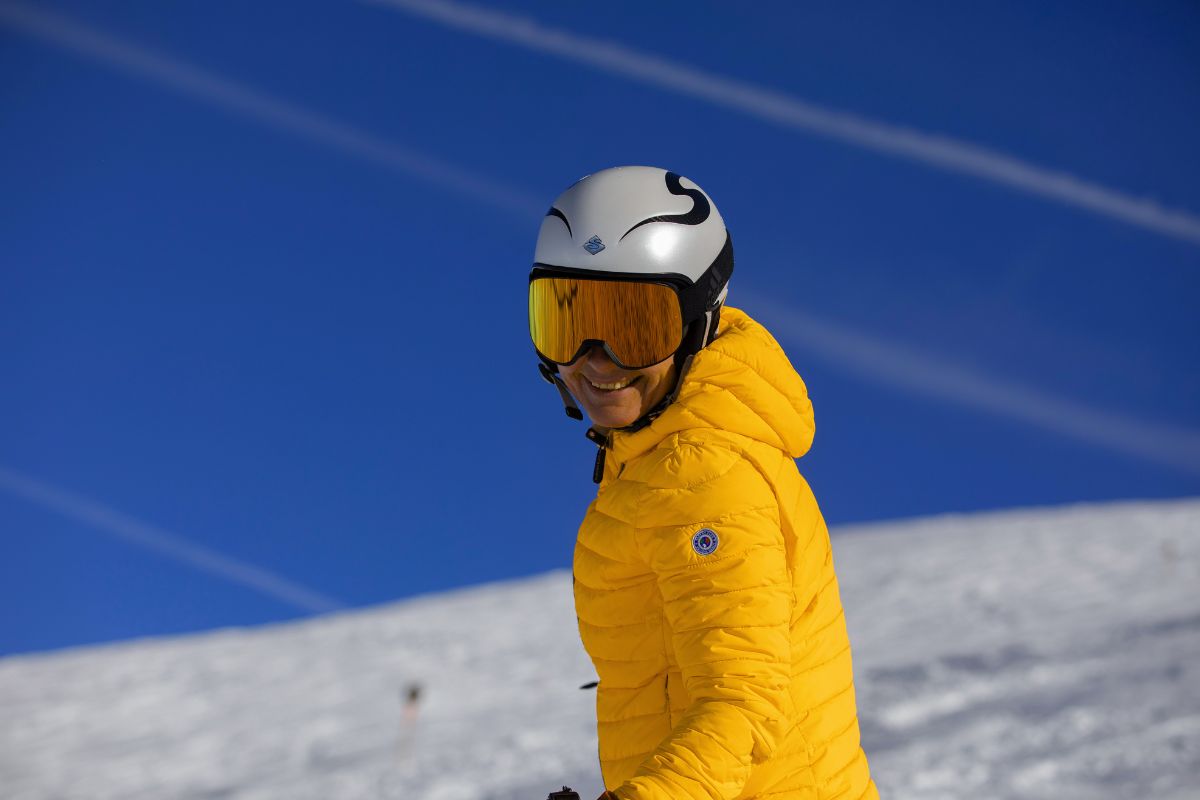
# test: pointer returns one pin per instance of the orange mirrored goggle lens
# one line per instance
(640, 322)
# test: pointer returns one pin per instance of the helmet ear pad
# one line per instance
(698, 335)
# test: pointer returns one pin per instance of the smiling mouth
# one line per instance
(614, 386)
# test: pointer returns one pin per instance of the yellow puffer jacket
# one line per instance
(706, 595)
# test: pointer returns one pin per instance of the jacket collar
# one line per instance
(742, 383)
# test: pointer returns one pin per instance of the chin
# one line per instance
(608, 419)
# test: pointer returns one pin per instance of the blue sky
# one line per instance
(262, 275)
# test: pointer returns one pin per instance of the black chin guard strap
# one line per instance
(552, 377)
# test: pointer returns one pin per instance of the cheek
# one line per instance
(657, 383)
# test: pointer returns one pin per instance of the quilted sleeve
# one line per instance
(728, 603)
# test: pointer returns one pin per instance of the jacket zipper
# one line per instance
(602, 443)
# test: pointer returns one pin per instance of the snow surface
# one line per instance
(1022, 654)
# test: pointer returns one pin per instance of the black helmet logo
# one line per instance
(593, 245)
(701, 208)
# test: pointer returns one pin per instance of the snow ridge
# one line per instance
(1050, 653)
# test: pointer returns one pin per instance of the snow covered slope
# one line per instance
(1024, 654)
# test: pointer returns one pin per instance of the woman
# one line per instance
(704, 582)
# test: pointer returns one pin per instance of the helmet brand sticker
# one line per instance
(593, 245)
(705, 541)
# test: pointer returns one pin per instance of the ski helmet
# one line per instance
(650, 251)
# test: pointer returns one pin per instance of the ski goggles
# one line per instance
(639, 323)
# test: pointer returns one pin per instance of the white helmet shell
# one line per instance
(633, 220)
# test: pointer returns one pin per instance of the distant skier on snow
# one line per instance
(704, 581)
(410, 706)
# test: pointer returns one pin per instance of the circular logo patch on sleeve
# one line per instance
(705, 541)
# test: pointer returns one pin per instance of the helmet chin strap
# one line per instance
(696, 339)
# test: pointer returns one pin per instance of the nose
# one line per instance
(595, 354)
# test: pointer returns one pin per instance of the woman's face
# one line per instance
(614, 397)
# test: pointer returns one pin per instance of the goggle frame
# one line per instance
(680, 285)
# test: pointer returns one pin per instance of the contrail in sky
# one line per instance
(165, 543)
(248, 102)
(898, 367)
(868, 358)
(941, 152)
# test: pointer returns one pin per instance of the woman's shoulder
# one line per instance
(694, 473)
(685, 460)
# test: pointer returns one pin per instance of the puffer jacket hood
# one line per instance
(741, 383)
